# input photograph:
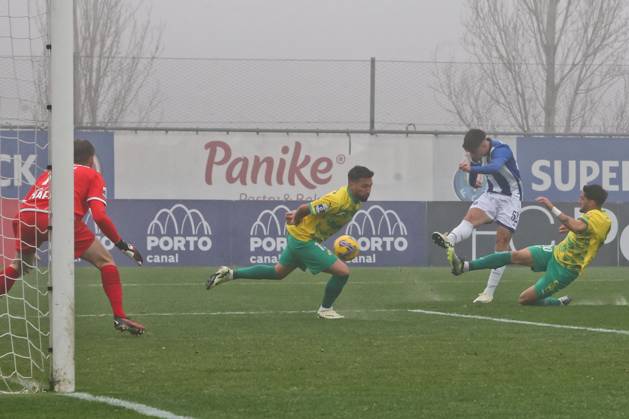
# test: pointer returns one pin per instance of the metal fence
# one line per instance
(294, 94)
(357, 95)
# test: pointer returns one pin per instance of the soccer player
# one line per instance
(31, 230)
(562, 263)
(501, 202)
(307, 227)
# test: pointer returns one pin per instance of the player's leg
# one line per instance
(30, 230)
(482, 211)
(91, 250)
(556, 277)
(261, 271)
(288, 261)
(334, 287)
(491, 261)
(503, 238)
(317, 258)
(11, 273)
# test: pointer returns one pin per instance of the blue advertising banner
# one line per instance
(24, 154)
(559, 167)
(210, 233)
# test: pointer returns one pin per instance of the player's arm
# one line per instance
(104, 223)
(319, 206)
(294, 217)
(576, 225)
(499, 158)
(474, 178)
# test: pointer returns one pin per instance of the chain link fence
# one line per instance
(267, 94)
(357, 95)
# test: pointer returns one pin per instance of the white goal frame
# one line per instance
(61, 143)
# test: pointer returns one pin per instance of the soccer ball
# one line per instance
(346, 247)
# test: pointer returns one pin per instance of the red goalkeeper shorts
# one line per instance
(31, 230)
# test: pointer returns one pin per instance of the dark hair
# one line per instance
(359, 172)
(473, 139)
(83, 150)
(596, 193)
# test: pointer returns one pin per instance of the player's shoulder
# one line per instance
(85, 171)
(337, 194)
(597, 220)
(599, 215)
(43, 177)
(500, 146)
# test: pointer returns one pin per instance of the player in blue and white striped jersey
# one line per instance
(501, 203)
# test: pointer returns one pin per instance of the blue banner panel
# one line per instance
(24, 155)
(558, 168)
(210, 233)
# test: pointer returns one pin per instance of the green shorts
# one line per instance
(556, 276)
(312, 255)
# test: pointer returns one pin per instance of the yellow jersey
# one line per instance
(327, 215)
(577, 250)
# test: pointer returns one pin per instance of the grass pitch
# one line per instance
(256, 349)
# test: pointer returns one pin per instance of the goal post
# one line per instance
(61, 142)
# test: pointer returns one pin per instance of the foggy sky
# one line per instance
(319, 29)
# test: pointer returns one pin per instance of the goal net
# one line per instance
(24, 323)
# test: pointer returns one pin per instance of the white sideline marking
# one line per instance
(524, 322)
(382, 310)
(136, 407)
(242, 313)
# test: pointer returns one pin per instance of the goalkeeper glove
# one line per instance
(131, 251)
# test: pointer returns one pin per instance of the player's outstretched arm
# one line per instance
(108, 228)
(571, 224)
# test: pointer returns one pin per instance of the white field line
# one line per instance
(313, 282)
(522, 322)
(201, 284)
(136, 407)
(384, 310)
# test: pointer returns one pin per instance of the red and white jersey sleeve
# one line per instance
(38, 197)
(89, 185)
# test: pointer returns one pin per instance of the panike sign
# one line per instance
(559, 167)
(266, 167)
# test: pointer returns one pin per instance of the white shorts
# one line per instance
(503, 209)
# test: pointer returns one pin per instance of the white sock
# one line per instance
(461, 232)
(494, 279)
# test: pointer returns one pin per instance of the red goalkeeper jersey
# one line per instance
(89, 185)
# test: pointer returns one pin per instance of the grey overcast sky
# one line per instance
(337, 29)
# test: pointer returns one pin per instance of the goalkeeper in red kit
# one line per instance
(31, 230)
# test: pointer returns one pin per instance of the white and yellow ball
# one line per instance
(346, 247)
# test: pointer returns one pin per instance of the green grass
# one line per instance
(381, 361)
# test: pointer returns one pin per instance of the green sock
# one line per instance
(548, 301)
(491, 261)
(333, 289)
(256, 272)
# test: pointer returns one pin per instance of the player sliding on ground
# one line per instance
(501, 203)
(31, 230)
(307, 227)
(562, 263)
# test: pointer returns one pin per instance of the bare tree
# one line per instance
(539, 63)
(115, 53)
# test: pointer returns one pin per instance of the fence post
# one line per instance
(372, 96)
